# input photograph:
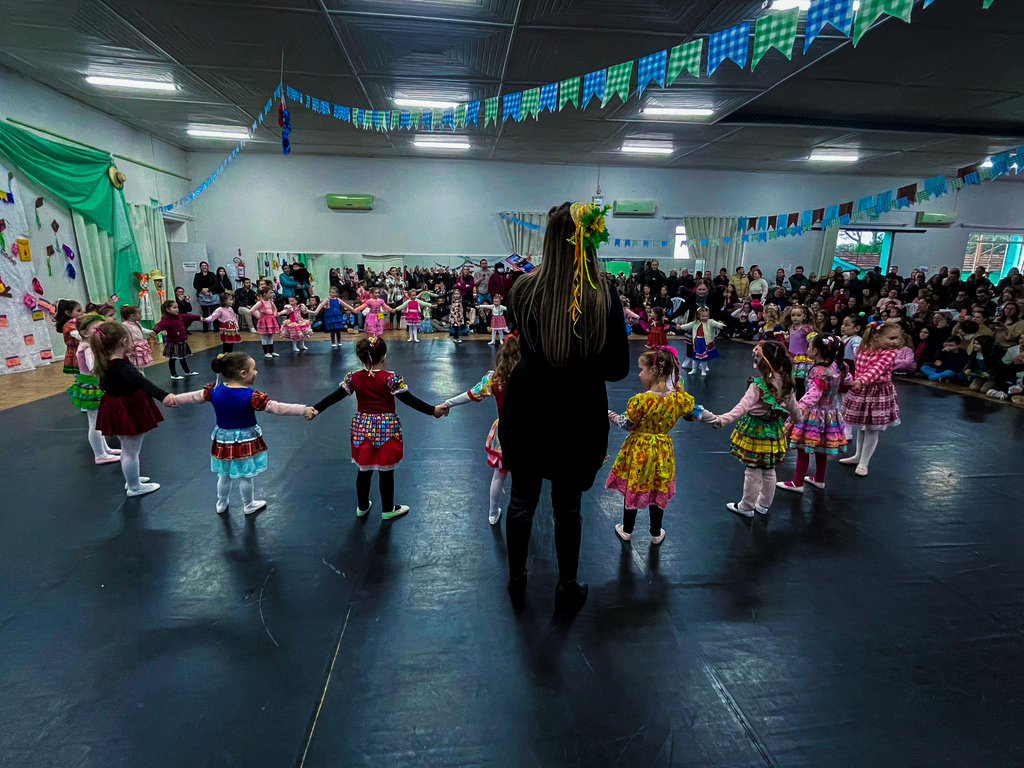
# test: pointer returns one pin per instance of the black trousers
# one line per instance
(519, 524)
(1005, 375)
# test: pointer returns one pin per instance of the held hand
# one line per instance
(441, 410)
(170, 402)
(612, 416)
(858, 385)
(310, 413)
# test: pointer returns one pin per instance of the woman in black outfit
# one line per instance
(206, 279)
(554, 419)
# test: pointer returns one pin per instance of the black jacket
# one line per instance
(244, 297)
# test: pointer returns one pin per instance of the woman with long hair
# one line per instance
(554, 419)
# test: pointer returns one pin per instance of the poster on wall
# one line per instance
(25, 341)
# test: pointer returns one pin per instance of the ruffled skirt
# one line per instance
(760, 441)
(377, 441)
(85, 393)
(268, 324)
(238, 452)
(177, 350)
(140, 354)
(133, 414)
(820, 431)
(644, 471)
(492, 447)
(296, 331)
(229, 333)
(874, 406)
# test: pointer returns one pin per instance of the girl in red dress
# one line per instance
(657, 337)
(376, 430)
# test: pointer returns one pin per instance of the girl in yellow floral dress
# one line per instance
(644, 472)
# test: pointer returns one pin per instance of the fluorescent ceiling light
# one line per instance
(219, 133)
(987, 164)
(833, 157)
(435, 144)
(678, 111)
(425, 104)
(141, 85)
(647, 149)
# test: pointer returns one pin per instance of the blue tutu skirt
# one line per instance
(238, 452)
(702, 351)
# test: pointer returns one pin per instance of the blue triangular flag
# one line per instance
(549, 97)
(651, 68)
(838, 13)
(728, 44)
(472, 112)
(594, 85)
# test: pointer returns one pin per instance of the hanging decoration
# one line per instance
(870, 10)
(39, 204)
(776, 30)
(621, 242)
(7, 198)
(506, 216)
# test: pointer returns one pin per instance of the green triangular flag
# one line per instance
(776, 30)
(394, 118)
(988, 3)
(435, 120)
(490, 111)
(460, 115)
(870, 10)
(530, 104)
(569, 90)
(618, 82)
(685, 57)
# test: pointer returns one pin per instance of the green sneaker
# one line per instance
(363, 512)
(398, 511)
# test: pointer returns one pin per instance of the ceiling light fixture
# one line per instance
(140, 85)
(647, 149)
(677, 111)
(425, 104)
(833, 157)
(987, 164)
(219, 133)
(435, 144)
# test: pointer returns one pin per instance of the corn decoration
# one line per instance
(590, 233)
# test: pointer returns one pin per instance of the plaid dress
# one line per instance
(874, 405)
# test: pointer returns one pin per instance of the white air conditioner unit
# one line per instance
(634, 207)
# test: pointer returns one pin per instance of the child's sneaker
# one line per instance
(996, 394)
(735, 507)
(398, 511)
(176, 377)
(363, 512)
(275, 354)
(256, 506)
(494, 517)
(789, 485)
(659, 538)
(621, 533)
(269, 356)
(810, 480)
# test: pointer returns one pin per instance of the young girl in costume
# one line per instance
(374, 325)
(67, 313)
(498, 325)
(703, 330)
(126, 409)
(265, 312)
(656, 336)
(644, 472)
(413, 315)
(759, 439)
(493, 383)
(225, 314)
(174, 325)
(139, 354)
(376, 429)
(820, 429)
(871, 402)
(852, 328)
(456, 317)
(798, 325)
(334, 319)
(770, 328)
(86, 393)
(296, 328)
(239, 452)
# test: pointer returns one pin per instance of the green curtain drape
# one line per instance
(79, 178)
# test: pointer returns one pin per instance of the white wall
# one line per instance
(40, 106)
(276, 203)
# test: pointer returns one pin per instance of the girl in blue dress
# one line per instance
(334, 318)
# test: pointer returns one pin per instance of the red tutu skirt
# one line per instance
(384, 457)
(133, 414)
(657, 338)
(229, 334)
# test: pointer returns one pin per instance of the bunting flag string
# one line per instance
(623, 242)
(776, 29)
(506, 216)
(223, 166)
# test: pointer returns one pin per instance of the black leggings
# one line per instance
(206, 311)
(519, 524)
(629, 519)
(226, 347)
(184, 366)
(386, 484)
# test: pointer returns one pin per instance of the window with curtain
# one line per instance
(727, 255)
(524, 240)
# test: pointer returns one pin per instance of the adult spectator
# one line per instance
(465, 284)
(559, 354)
(797, 279)
(207, 288)
(722, 280)
(780, 277)
(686, 281)
(500, 282)
(482, 280)
(305, 282)
(222, 283)
(1012, 280)
(674, 283)
(663, 300)
(654, 277)
(741, 283)
(983, 298)
(758, 288)
(245, 298)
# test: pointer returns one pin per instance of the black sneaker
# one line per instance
(517, 591)
(570, 596)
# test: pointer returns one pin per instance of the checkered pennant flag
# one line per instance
(730, 43)
(776, 30)
(342, 113)
(490, 111)
(569, 90)
(987, 4)
(870, 10)
(511, 103)
(472, 112)
(460, 115)
(651, 68)
(549, 97)
(618, 82)
(531, 103)
(685, 58)
(838, 13)
(594, 85)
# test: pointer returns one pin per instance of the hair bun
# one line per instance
(217, 365)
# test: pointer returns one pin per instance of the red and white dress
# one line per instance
(295, 327)
(228, 324)
(874, 405)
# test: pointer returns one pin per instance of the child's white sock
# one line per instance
(295, 346)
(868, 445)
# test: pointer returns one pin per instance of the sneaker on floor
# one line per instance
(788, 485)
(621, 533)
(398, 511)
(811, 481)
(145, 488)
(107, 459)
(735, 507)
(192, 373)
(222, 508)
(363, 512)
(176, 377)
(996, 394)
(268, 356)
(256, 506)
(494, 517)
(659, 538)
(275, 354)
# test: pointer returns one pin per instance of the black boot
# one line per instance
(570, 596)
(517, 591)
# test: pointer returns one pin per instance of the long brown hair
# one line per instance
(774, 359)
(508, 358)
(108, 339)
(543, 299)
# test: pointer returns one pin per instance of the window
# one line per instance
(681, 251)
(862, 249)
(996, 253)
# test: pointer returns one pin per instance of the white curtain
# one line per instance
(728, 255)
(523, 240)
(150, 238)
(827, 255)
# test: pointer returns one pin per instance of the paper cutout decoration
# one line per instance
(68, 253)
(71, 271)
(5, 290)
(54, 226)
(870, 10)
(24, 249)
(29, 301)
(48, 306)
(685, 58)
(728, 44)
(617, 83)
(37, 286)
(50, 251)
(650, 68)
(13, 362)
(3, 321)
(838, 13)
(569, 90)
(30, 339)
(37, 314)
(46, 354)
(39, 204)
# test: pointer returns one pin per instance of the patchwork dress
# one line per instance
(822, 429)
(486, 388)
(759, 438)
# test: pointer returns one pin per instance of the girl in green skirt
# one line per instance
(85, 393)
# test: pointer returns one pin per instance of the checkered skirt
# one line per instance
(874, 406)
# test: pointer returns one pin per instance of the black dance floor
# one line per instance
(877, 623)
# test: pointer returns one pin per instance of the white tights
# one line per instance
(867, 442)
(497, 482)
(96, 441)
(758, 488)
(414, 332)
(131, 446)
(245, 488)
(499, 335)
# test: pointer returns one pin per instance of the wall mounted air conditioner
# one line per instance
(634, 207)
(925, 219)
(350, 202)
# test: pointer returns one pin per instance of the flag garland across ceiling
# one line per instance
(776, 29)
